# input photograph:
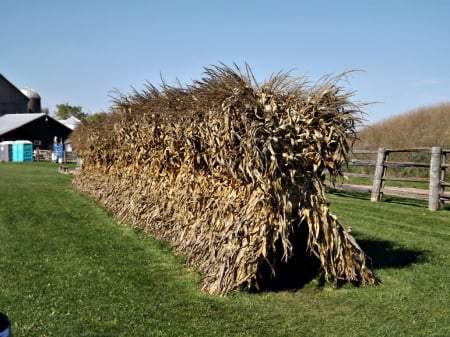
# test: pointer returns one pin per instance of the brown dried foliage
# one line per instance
(224, 168)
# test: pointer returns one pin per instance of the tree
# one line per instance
(64, 111)
(96, 117)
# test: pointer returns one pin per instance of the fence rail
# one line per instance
(46, 155)
(436, 166)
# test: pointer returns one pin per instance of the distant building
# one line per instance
(34, 100)
(71, 122)
(21, 118)
(39, 128)
(12, 100)
(15, 101)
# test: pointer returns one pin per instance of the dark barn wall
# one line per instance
(13, 108)
(12, 100)
(39, 129)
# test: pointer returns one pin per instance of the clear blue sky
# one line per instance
(79, 52)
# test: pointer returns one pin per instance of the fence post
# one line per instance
(378, 177)
(434, 202)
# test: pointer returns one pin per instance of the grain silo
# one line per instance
(34, 103)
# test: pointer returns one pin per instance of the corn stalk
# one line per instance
(226, 169)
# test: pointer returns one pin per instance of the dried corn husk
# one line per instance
(226, 169)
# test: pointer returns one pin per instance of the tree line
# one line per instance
(65, 111)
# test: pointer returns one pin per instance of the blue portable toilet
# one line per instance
(6, 150)
(22, 150)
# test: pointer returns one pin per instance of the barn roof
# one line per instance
(11, 122)
(71, 122)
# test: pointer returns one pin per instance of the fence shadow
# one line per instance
(347, 194)
(404, 201)
(386, 198)
(384, 255)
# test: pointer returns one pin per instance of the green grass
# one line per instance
(68, 269)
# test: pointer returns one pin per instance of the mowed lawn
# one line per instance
(67, 268)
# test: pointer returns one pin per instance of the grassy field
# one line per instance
(423, 127)
(68, 269)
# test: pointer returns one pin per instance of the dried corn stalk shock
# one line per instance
(230, 172)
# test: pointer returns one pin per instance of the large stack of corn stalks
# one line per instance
(228, 170)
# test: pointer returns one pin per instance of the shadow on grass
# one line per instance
(383, 254)
(302, 268)
(405, 201)
(348, 194)
(386, 198)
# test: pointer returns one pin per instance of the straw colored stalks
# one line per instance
(227, 169)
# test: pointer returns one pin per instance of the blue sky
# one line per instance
(80, 52)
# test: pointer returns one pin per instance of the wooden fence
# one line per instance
(46, 155)
(436, 167)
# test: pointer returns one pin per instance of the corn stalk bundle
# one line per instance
(227, 170)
